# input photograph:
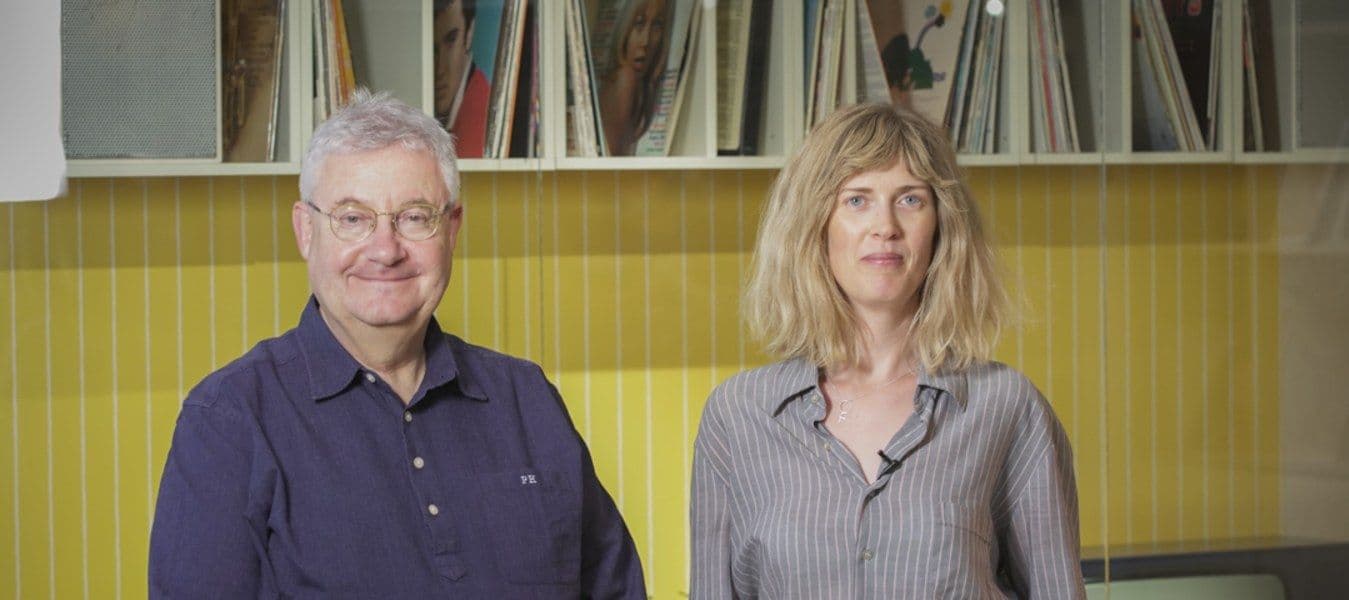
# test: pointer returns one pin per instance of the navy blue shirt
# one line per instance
(295, 472)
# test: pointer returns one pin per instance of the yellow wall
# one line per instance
(1152, 328)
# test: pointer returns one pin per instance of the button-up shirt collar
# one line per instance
(332, 369)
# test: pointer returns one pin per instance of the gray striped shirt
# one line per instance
(976, 497)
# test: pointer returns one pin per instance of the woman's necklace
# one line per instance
(845, 403)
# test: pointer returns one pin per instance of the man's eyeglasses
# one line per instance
(352, 222)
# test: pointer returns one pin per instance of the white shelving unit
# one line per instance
(391, 44)
(293, 112)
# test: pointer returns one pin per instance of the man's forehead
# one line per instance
(391, 176)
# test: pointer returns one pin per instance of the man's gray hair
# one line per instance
(374, 121)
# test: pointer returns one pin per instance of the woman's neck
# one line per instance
(884, 351)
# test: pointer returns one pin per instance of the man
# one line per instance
(462, 90)
(366, 453)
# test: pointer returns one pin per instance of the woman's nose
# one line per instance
(884, 225)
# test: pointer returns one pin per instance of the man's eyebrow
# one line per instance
(410, 202)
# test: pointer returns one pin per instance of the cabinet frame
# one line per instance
(786, 81)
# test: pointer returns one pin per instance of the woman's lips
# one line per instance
(883, 259)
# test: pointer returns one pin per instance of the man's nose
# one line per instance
(384, 245)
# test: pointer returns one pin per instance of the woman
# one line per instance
(885, 457)
(627, 91)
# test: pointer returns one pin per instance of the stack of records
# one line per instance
(1177, 52)
(941, 59)
(487, 77)
(627, 68)
(334, 77)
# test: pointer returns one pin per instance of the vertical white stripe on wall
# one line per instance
(740, 262)
(1180, 373)
(557, 286)
(1127, 359)
(276, 266)
(683, 351)
(84, 422)
(243, 267)
(1230, 250)
(465, 237)
(1152, 348)
(210, 264)
(1256, 244)
(650, 428)
(1020, 271)
(1047, 202)
(1102, 440)
(149, 387)
(116, 394)
(1203, 345)
(585, 299)
(14, 402)
(527, 260)
(712, 271)
(47, 335)
(1075, 309)
(618, 334)
(178, 275)
(1075, 326)
(497, 299)
(145, 282)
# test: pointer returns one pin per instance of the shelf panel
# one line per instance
(676, 163)
(1167, 158)
(988, 160)
(1306, 156)
(472, 165)
(1066, 158)
(152, 168)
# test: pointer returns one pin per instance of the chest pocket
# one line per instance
(964, 536)
(536, 525)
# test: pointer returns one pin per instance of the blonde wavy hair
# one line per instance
(794, 305)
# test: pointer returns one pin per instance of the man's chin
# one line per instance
(381, 316)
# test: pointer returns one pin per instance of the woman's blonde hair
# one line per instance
(793, 303)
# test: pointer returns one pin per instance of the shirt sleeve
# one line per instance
(202, 543)
(1042, 545)
(709, 513)
(610, 567)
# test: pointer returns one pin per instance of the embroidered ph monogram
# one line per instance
(528, 479)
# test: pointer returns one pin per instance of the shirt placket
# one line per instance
(419, 468)
(865, 531)
(875, 526)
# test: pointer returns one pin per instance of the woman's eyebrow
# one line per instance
(922, 187)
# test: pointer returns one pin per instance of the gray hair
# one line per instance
(374, 121)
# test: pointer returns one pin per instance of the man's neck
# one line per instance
(396, 354)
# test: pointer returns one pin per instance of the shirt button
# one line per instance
(868, 554)
(433, 509)
(419, 463)
(370, 377)
(407, 416)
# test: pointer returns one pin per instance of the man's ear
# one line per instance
(468, 34)
(302, 221)
(456, 218)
